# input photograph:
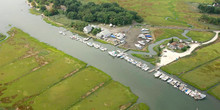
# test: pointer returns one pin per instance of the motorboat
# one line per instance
(157, 74)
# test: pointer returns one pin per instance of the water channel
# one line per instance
(156, 93)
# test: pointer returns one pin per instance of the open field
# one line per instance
(215, 92)
(161, 34)
(111, 97)
(38, 76)
(205, 76)
(170, 13)
(200, 36)
(62, 95)
(140, 106)
(196, 59)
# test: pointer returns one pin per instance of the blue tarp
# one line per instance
(148, 36)
(113, 36)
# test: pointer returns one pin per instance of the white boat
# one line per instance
(96, 45)
(165, 78)
(187, 91)
(138, 46)
(86, 39)
(157, 74)
(64, 33)
(120, 54)
(139, 64)
(142, 42)
(199, 95)
(134, 62)
(169, 80)
(89, 44)
(163, 75)
(61, 32)
(103, 48)
(112, 53)
(192, 94)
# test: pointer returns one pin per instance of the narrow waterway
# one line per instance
(156, 93)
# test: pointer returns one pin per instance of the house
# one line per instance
(173, 45)
(87, 29)
(180, 46)
(104, 34)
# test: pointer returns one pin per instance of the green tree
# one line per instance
(72, 15)
(33, 4)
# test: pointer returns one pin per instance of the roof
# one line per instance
(181, 46)
(174, 44)
(104, 33)
(87, 28)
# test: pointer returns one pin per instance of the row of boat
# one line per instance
(181, 86)
(122, 55)
(85, 41)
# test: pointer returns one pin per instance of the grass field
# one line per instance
(161, 34)
(170, 13)
(113, 96)
(200, 36)
(196, 59)
(140, 106)
(205, 76)
(215, 92)
(38, 76)
(71, 90)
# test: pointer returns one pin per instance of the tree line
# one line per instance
(90, 12)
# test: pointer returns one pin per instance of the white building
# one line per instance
(87, 29)
(104, 34)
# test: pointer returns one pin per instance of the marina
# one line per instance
(155, 93)
(181, 86)
(122, 55)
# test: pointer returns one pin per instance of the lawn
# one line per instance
(113, 96)
(196, 59)
(140, 106)
(71, 90)
(161, 34)
(200, 36)
(205, 76)
(215, 92)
